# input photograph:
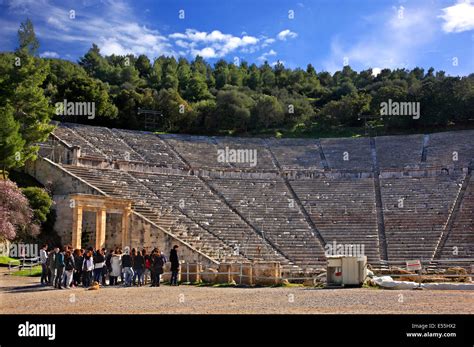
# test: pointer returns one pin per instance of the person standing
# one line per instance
(58, 267)
(44, 264)
(69, 267)
(127, 267)
(158, 261)
(78, 261)
(87, 267)
(50, 262)
(174, 259)
(116, 265)
(147, 270)
(99, 262)
(104, 268)
(133, 255)
(108, 265)
(138, 267)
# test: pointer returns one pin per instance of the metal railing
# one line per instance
(22, 263)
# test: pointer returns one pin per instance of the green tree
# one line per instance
(68, 81)
(197, 89)
(267, 112)
(233, 110)
(11, 142)
(221, 74)
(28, 42)
(253, 81)
(21, 84)
(184, 76)
(170, 75)
(143, 66)
(347, 110)
(96, 65)
(156, 73)
(40, 202)
(177, 112)
(267, 77)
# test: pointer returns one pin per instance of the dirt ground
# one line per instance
(25, 295)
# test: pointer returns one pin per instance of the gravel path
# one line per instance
(23, 295)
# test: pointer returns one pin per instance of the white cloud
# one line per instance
(283, 35)
(267, 41)
(207, 52)
(112, 46)
(214, 44)
(49, 54)
(117, 32)
(390, 42)
(55, 22)
(459, 17)
(376, 71)
(265, 56)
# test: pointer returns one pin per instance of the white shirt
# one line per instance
(43, 256)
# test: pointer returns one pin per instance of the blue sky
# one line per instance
(325, 33)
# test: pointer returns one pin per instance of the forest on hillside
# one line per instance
(195, 97)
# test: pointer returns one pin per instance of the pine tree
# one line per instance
(11, 143)
(27, 38)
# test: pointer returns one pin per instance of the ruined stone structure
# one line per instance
(402, 197)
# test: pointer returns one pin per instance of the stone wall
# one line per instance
(113, 231)
(62, 184)
(146, 235)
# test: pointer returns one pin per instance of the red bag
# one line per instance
(147, 263)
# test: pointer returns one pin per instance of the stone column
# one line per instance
(76, 227)
(100, 225)
(125, 227)
(76, 153)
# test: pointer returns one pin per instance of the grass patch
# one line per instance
(224, 285)
(367, 285)
(4, 260)
(285, 284)
(33, 272)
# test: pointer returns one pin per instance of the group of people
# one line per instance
(70, 267)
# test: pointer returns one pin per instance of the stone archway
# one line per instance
(100, 205)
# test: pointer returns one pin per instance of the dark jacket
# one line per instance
(69, 263)
(126, 260)
(78, 263)
(98, 258)
(174, 260)
(59, 260)
(158, 261)
(139, 262)
(108, 257)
